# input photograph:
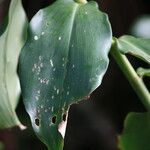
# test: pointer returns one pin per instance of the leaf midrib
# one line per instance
(76, 7)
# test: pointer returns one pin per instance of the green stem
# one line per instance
(81, 1)
(135, 81)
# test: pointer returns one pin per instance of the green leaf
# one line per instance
(136, 135)
(137, 47)
(64, 60)
(1, 146)
(11, 42)
(143, 72)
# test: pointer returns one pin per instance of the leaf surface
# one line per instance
(64, 60)
(137, 47)
(136, 135)
(11, 42)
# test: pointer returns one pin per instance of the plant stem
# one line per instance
(81, 1)
(135, 81)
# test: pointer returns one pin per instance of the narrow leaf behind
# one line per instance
(137, 47)
(11, 42)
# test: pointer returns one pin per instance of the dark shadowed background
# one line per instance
(93, 124)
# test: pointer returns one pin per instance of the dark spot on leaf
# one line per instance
(54, 119)
(64, 117)
(47, 24)
(37, 121)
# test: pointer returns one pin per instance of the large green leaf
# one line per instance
(11, 42)
(135, 46)
(64, 60)
(136, 135)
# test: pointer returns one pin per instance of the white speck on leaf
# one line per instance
(54, 88)
(47, 81)
(36, 37)
(36, 97)
(57, 91)
(51, 62)
(41, 65)
(41, 80)
(35, 65)
(59, 38)
(38, 91)
(40, 57)
(52, 109)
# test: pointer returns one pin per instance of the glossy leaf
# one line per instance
(11, 42)
(143, 72)
(135, 46)
(136, 135)
(64, 60)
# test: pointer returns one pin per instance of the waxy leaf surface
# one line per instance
(11, 42)
(137, 47)
(63, 61)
